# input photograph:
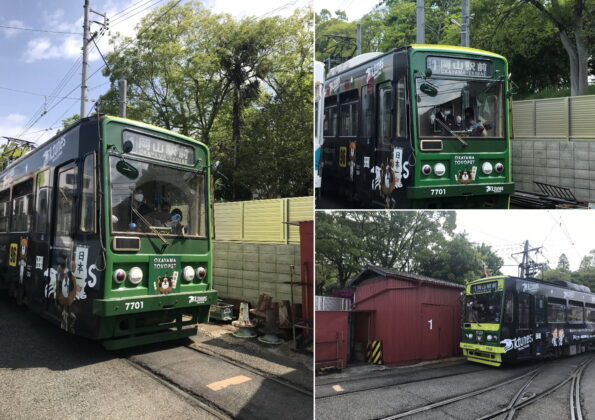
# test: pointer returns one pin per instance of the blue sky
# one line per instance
(37, 62)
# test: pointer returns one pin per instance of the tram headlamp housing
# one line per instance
(487, 168)
(119, 276)
(470, 336)
(426, 169)
(499, 167)
(490, 337)
(135, 275)
(201, 273)
(439, 169)
(188, 273)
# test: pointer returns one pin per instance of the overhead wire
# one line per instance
(40, 30)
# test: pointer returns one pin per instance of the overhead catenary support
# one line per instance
(87, 8)
(421, 24)
(122, 90)
(465, 38)
(359, 40)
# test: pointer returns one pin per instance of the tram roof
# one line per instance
(432, 47)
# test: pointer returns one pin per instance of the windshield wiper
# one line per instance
(463, 142)
(153, 230)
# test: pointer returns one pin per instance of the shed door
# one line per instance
(436, 332)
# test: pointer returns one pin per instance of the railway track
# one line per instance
(521, 398)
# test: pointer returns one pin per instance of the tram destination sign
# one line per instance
(448, 66)
(484, 287)
(155, 148)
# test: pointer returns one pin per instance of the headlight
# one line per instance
(487, 168)
(119, 276)
(201, 273)
(135, 275)
(188, 273)
(490, 337)
(439, 169)
(499, 167)
(469, 336)
(426, 169)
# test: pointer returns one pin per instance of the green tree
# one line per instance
(563, 264)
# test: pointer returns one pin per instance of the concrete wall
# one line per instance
(554, 161)
(244, 270)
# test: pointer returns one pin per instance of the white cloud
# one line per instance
(9, 33)
(45, 49)
(12, 125)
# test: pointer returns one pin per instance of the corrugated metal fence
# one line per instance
(262, 221)
(569, 118)
(330, 303)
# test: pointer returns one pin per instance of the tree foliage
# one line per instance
(420, 242)
(584, 275)
(208, 76)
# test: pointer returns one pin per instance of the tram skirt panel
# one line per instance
(374, 352)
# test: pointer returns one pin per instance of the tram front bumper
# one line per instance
(487, 355)
(470, 190)
(139, 304)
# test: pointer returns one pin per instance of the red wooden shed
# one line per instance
(416, 318)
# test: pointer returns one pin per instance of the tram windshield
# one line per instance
(160, 200)
(464, 108)
(483, 308)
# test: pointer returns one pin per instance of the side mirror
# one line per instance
(127, 169)
(127, 146)
(216, 166)
(428, 89)
(428, 72)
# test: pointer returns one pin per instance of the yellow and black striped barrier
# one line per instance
(374, 353)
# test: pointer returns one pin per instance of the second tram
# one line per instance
(424, 126)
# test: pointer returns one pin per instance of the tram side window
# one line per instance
(42, 206)
(4, 206)
(590, 312)
(22, 206)
(368, 111)
(385, 117)
(575, 312)
(524, 310)
(65, 205)
(540, 310)
(349, 116)
(88, 196)
(331, 116)
(556, 310)
(401, 109)
(509, 308)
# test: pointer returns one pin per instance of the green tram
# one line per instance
(509, 319)
(104, 230)
(425, 126)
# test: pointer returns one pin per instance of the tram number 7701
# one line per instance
(133, 305)
(438, 191)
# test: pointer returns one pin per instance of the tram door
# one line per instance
(62, 230)
(524, 321)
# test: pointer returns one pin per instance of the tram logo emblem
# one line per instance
(495, 188)
(519, 343)
(466, 176)
(529, 287)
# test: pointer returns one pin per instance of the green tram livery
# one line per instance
(510, 319)
(424, 126)
(104, 230)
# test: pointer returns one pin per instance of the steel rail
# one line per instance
(459, 397)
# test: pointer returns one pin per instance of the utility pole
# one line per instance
(465, 36)
(87, 8)
(421, 24)
(358, 41)
(528, 268)
(122, 91)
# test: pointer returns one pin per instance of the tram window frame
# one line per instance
(540, 310)
(589, 312)
(4, 210)
(508, 308)
(88, 224)
(42, 211)
(22, 202)
(367, 96)
(556, 306)
(524, 304)
(63, 237)
(385, 115)
(401, 108)
(348, 105)
(331, 116)
(573, 309)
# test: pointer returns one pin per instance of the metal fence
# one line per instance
(330, 303)
(262, 221)
(570, 118)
